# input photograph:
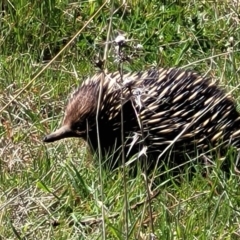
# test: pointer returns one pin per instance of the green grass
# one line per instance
(53, 191)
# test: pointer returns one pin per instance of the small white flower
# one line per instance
(120, 39)
(231, 39)
(139, 46)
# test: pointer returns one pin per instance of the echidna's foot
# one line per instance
(208, 163)
(236, 169)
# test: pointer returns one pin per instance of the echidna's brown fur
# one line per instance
(170, 103)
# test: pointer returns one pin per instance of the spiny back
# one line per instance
(167, 103)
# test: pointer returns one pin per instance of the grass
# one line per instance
(53, 191)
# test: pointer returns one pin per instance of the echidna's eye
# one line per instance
(77, 127)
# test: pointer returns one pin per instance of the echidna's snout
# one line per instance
(63, 132)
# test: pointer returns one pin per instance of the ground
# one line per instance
(54, 191)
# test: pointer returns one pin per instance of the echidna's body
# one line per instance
(168, 103)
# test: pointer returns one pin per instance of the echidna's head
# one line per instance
(80, 114)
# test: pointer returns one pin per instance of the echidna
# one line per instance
(159, 106)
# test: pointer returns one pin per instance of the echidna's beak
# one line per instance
(63, 132)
